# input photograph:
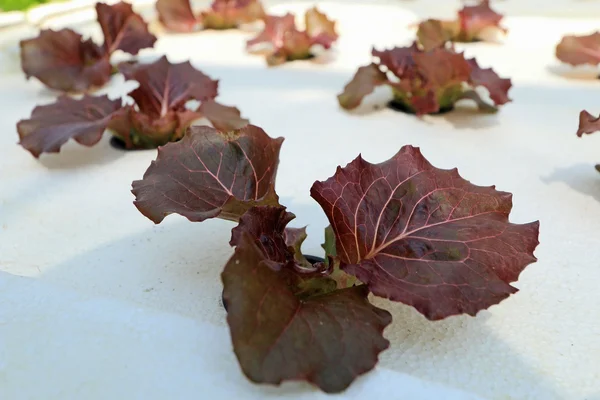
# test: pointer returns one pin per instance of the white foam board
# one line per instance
(68, 223)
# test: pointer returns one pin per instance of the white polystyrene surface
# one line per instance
(68, 221)
(63, 345)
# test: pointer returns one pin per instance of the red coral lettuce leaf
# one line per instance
(472, 21)
(577, 50)
(210, 174)
(177, 15)
(165, 86)
(433, 33)
(286, 325)
(228, 14)
(62, 60)
(320, 28)
(294, 237)
(266, 225)
(426, 81)
(475, 19)
(123, 29)
(51, 126)
(588, 124)
(287, 43)
(486, 77)
(363, 83)
(222, 117)
(425, 236)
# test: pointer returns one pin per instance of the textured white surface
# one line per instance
(68, 220)
(63, 345)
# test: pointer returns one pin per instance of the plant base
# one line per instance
(311, 259)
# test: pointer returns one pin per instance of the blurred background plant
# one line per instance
(19, 5)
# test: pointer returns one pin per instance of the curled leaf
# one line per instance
(363, 83)
(51, 126)
(210, 174)
(426, 82)
(475, 19)
(287, 43)
(294, 237)
(434, 33)
(228, 14)
(123, 29)
(577, 50)
(486, 77)
(471, 23)
(320, 28)
(279, 317)
(224, 118)
(62, 60)
(425, 236)
(177, 15)
(266, 226)
(161, 115)
(588, 124)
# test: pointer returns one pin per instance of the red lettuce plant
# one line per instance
(578, 50)
(588, 124)
(285, 42)
(425, 82)
(178, 16)
(159, 114)
(64, 61)
(401, 229)
(472, 21)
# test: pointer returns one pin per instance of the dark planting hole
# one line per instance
(118, 144)
(397, 106)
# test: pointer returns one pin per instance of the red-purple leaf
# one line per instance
(471, 22)
(165, 87)
(287, 43)
(266, 226)
(177, 15)
(426, 81)
(294, 237)
(123, 29)
(425, 236)
(588, 123)
(363, 83)
(486, 77)
(210, 174)
(577, 50)
(224, 118)
(286, 325)
(228, 14)
(474, 19)
(433, 33)
(320, 28)
(51, 126)
(61, 60)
